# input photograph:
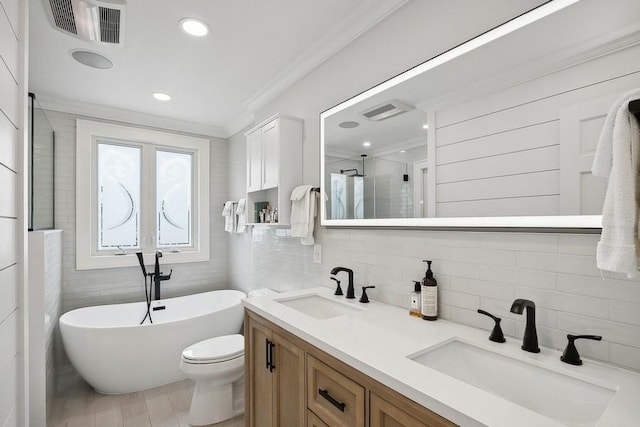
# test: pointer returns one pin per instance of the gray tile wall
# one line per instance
(108, 286)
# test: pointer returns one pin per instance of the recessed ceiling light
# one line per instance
(349, 125)
(92, 59)
(425, 126)
(161, 96)
(194, 27)
(403, 151)
(366, 144)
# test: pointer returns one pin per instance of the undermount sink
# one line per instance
(319, 307)
(563, 398)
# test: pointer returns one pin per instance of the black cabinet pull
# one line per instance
(271, 348)
(267, 356)
(334, 402)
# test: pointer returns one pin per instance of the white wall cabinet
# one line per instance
(274, 165)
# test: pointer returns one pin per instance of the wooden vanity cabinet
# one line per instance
(290, 383)
(275, 369)
(401, 412)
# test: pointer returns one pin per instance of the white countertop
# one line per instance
(378, 339)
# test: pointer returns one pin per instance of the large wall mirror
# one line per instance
(498, 132)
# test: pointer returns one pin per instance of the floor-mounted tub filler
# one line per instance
(115, 354)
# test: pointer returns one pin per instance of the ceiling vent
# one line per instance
(386, 110)
(99, 21)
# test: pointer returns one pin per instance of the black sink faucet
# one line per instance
(351, 294)
(159, 277)
(530, 339)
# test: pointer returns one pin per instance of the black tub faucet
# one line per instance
(351, 294)
(159, 277)
(530, 339)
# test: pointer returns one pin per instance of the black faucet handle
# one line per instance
(496, 333)
(338, 289)
(570, 354)
(166, 276)
(364, 298)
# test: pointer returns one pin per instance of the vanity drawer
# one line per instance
(336, 399)
(314, 421)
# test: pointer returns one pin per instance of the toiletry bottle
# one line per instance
(429, 308)
(416, 300)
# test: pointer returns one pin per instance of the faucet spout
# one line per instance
(158, 276)
(530, 338)
(351, 294)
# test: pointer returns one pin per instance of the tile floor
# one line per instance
(77, 405)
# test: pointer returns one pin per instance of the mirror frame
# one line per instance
(565, 223)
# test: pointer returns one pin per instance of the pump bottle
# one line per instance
(429, 308)
(415, 300)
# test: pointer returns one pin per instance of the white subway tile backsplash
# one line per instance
(494, 273)
(595, 307)
(626, 312)
(560, 263)
(537, 279)
(615, 332)
(520, 242)
(621, 290)
(459, 299)
(479, 287)
(625, 356)
(484, 256)
(578, 244)
(556, 271)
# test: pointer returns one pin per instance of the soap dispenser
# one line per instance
(415, 300)
(429, 308)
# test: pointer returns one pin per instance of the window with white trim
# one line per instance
(139, 190)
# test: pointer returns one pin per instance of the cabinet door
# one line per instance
(254, 161)
(270, 154)
(383, 413)
(288, 383)
(259, 378)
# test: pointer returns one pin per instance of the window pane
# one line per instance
(173, 198)
(118, 196)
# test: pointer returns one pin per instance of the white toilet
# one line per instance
(217, 367)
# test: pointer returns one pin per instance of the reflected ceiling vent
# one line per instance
(386, 110)
(99, 21)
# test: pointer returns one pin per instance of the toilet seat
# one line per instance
(215, 350)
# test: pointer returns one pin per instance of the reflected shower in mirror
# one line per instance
(503, 126)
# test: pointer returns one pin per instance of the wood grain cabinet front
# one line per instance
(291, 383)
(338, 400)
(275, 378)
(384, 413)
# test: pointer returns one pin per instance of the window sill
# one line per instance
(131, 260)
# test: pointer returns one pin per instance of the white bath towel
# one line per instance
(303, 213)
(229, 217)
(617, 157)
(242, 219)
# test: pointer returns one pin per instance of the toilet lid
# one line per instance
(218, 349)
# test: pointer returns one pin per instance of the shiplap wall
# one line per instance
(11, 129)
(500, 154)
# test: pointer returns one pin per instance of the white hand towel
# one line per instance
(240, 211)
(229, 216)
(617, 156)
(303, 211)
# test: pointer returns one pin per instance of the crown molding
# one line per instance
(49, 102)
(239, 123)
(349, 29)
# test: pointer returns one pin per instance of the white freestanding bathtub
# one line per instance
(115, 354)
